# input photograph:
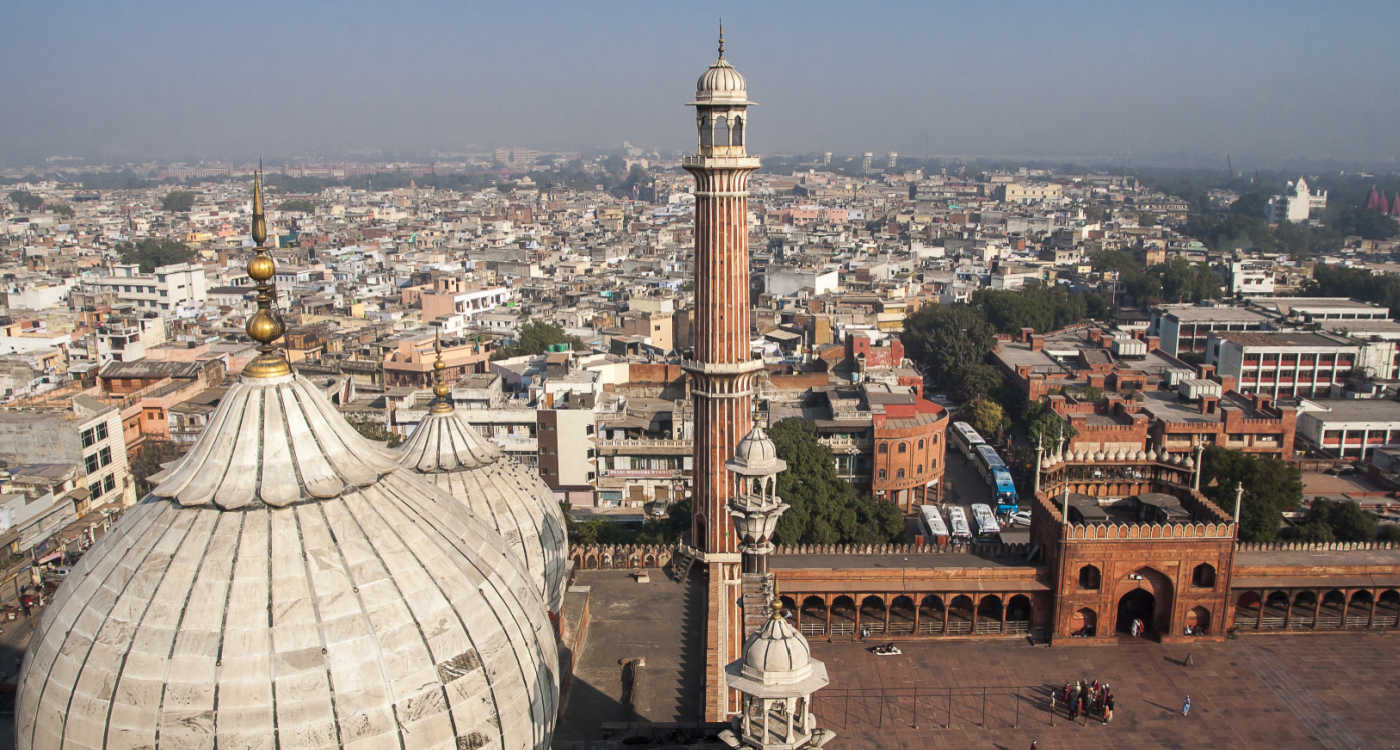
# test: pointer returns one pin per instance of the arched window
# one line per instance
(1203, 576)
(903, 447)
(1089, 577)
(884, 447)
(921, 443)
(721, 131)
(707, 134)
(882, 474)
(736, 135)
(899, 473)
(919, 470)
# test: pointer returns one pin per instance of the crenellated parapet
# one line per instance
(1150, 531)
(596, 556)
(1314, 546)
(979, 550)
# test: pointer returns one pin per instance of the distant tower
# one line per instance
(723, 369)
(867, 160)
(894, 159)
(826, 159)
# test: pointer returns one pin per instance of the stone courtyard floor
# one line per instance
(1336, 691)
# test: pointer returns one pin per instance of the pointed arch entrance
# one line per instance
(1144, 595)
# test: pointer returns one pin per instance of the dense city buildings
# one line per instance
(458, 364)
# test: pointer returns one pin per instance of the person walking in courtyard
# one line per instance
(1108, 709)
(1186, 706)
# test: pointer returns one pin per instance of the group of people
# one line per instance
(1092, 699)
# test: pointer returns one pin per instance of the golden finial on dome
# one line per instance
(721, 38)
(266, 325)
(777, 606)
(441, 403)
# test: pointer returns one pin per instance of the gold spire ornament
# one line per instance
(442, 403)
(266, 325)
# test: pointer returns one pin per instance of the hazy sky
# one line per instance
(232, 79)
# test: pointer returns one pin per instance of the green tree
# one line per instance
(951, 343)
(536, 337)
(62, 209)
(1043, 425)
(151, 458)
(987, 417)
(152, 252)
(1371, 225)
(823, 508)
(300, 204)
(376, 431)
(25, 200)
(1270, 487)
(178, 200)
(1346, 520)
(1388, 533)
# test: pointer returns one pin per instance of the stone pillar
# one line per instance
(1317, 609)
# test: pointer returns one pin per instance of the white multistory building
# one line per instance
(1296, 203)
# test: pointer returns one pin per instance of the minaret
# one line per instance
(722, 371)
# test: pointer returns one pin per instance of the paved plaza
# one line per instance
(1319, 691)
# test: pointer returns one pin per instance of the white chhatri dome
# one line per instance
(284, 586)
(721, 83)
(777, 660)
(756, 455)
(497, 489)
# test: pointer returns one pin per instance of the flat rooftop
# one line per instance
(1199, 314)
(1353, 409)
(661, 621)
(1283, 339)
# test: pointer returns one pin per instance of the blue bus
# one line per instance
(998, 477)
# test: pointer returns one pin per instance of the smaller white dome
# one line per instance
(777, 654)
(1151, 454)
(1098, 456)
(721, 83)
(756, 455)
(1141, 455)
(1190, 463)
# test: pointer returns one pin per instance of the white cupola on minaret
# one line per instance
(721, 108)
(776, 679)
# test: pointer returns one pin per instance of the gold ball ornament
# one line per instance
(264, 328)
(261, 267)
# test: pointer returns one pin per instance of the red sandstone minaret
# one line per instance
(722, 371)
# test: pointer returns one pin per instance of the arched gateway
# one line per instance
(1144, 595)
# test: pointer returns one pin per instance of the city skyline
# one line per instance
(166, 81)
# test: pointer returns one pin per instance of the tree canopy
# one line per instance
(1331, 521)
(152, 252)
(1357, 283)
(536, 337)
(177, 200)
(987, 417)
(1035, 306)
(951, 343)
(824, 508)
(299, 204)
(25, 200)
(1270, 487)
(376, 431)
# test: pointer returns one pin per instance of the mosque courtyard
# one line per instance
(1320, 691)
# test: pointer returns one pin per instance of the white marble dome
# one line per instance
(721, 83)
(756, 455)
(286, 586)
(512, 498)
(776, 654)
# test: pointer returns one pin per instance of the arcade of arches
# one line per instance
(847, 615)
